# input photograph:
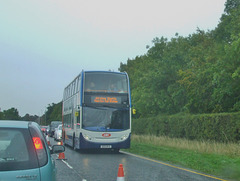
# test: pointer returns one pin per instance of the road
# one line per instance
(103, 166)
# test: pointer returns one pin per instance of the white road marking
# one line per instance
(69, 166)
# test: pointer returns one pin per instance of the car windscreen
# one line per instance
(17, 151)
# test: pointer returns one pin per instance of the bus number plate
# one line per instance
(106, 146)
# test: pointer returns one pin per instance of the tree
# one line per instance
(53, 113)
(11, 114)
(29, 117)
(229, 22)
(231, 5)
(1, 115)
(195, 74)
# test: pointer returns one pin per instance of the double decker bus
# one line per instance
(97, 111)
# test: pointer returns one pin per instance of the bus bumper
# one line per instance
(85, 144)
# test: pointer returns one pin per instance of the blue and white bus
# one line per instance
(97, 111)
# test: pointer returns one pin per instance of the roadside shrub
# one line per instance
(224, 127)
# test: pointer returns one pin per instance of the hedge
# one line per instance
(224, 127)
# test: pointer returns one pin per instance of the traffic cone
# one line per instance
(120, 176)
(61, 156)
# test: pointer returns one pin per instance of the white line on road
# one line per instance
(69, 166)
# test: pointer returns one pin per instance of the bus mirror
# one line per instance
(134, 111)
(76, 113)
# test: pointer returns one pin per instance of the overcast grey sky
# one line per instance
(44, 44)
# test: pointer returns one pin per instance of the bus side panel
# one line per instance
(68, 140)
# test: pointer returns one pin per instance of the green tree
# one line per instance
(195, 74)
(11, 114)
(231, 5)
(229, 22)
(29, 117)
(228, 78)
(53, 113)
(197, 78)
(1, 115)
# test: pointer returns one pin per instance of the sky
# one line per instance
(45, 44)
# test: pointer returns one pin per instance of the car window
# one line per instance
(16, 150)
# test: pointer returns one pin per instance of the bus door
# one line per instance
(77, 126)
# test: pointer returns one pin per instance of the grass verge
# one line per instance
(213, 158)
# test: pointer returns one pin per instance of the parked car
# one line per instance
(53, 125)
(24, 153)
(58, 133)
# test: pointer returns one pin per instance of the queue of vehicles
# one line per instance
(96, 112)
(53, 130)
(99, 118)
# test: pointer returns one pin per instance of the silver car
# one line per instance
(58, 133)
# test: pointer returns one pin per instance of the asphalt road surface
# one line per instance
(103, 166)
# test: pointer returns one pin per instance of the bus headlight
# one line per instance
(124, 137)
(87, 137)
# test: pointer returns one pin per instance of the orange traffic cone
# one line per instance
(120, 176)
(61, 156)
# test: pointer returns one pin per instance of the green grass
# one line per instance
(223, 162)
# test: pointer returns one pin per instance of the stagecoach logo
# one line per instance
(106, 135)
(113, 100)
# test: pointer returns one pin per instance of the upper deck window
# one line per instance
(105, 82)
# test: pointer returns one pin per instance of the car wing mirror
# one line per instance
(57, 149)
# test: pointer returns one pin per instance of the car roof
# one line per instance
(56, 122)
(14, 124)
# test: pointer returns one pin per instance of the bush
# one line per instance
(224, 127)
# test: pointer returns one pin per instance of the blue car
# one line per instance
(24, 153)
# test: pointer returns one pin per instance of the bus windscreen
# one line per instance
(105, 119)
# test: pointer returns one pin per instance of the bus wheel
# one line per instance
(73, 143)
